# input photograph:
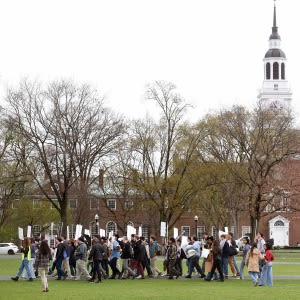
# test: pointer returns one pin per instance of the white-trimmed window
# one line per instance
(36, 203)
(94, 203)
(233, 230)
(246, 230)
(145, 231)
(56, 202)
(72, 231)
(15, 204)
(111, 227)
(73, 203)
(186, 230)
(200, 231)
(36, 230)
(128, 204)
(111, 204)
(214, 232)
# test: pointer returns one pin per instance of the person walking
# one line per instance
(246, 248)
(26, 255)
(252, 262)
(42, 263)
(81, 257)
(96, 255)
(266, 273)
(153, 249)
(127, 254)
(172, 258)
(217, 261)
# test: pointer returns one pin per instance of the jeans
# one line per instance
(266, 276)
(60, 272)
(225, 265)
(96, 269)
(25, 264)
(126, 268)
(253, 276)
(242, 269)
(194, 263)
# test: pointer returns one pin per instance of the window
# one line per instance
(111, 204)
(268, 71)
(186, 230)
(246, 230)
(36, 230)
(145, 231)
(72, 231)
(73, 203)
(128, 204)
(94, 203)
(279, 223)
(233, 230)
(36, 204)
(275, 70)
(15, 204)
(214, 232)
(56, 203)
(111, 227)
(282, 71)
(200, 231)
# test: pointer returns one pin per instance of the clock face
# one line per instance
(276, 104)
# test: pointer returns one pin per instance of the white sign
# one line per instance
(86, 232)
(78, 231)
(175, 232)
(20, 233)
(184, 240)
(163, 228)
(140, 231)
(130, 230)
(68, 232)
(102, 232)
(28, 231)
(205, 253)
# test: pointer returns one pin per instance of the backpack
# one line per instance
(158, 250)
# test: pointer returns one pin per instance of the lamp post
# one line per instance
(196, 223)
(97, 224)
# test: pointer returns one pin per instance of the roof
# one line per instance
(275, 53)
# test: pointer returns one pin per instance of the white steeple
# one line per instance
(275, 91)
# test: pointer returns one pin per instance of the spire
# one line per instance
(274, 35)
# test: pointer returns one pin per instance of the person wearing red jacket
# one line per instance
(266, 274)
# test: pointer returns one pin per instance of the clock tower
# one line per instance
(275, 91)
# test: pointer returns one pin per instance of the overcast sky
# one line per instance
(212, 50)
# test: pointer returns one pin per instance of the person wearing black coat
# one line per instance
(96, 255)
(139, 254)
(127, 253)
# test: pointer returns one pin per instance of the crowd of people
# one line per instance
(121, 258)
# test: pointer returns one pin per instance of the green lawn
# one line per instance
(150, 289)
(155, 289)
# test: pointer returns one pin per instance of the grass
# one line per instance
(150, 289)
(154, 289)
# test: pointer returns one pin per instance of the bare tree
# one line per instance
(64, 131)
(161, 155)
(252, 145)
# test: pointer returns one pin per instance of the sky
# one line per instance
(211, 50)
